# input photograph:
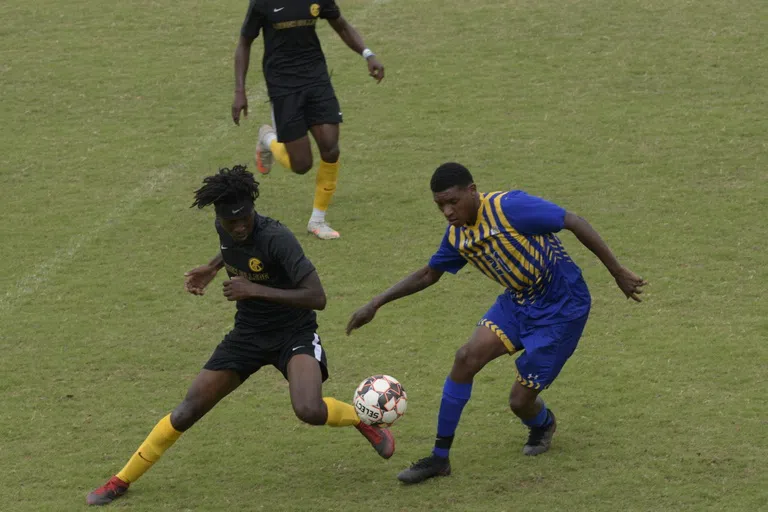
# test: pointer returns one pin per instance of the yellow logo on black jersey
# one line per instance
(255, 264)
(314, 10)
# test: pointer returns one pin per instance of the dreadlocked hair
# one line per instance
(227, 186)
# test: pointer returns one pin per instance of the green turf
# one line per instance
(647, 117)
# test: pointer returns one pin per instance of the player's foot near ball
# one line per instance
(264, 158)
(540, 439)
(425, 468)
(322, 230)
(108, 492)
(381, 439)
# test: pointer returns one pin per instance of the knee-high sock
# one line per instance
(455, 397)
(160, 439)
(542, 419)
(280, 153)
(340, 414)
(325, 184)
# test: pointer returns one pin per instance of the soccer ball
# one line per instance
(380, 400)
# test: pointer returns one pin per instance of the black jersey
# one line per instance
(272, 257)
(293, 59)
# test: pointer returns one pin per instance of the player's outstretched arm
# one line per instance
(198, 278)
(417, 281)
(629, 282)
(309, 294)
(242, 60)
(354, 40)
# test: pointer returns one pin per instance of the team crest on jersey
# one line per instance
(314, 10)
(255, 264)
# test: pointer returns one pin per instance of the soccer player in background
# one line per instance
(300, 91)
(510, 237)
(277, 291)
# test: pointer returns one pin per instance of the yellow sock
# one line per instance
(160, 439)
(340, 414)
(280, 153)
(325, 184)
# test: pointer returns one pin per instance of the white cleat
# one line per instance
(322, 230)
(264, 158)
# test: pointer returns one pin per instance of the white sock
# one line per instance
(317, 215)
(269, 138)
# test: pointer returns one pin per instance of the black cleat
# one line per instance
(540, 439)
(427, 467)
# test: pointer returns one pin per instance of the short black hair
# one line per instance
(227, 186)
(450, 175)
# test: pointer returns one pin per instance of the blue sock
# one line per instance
(541, 420)
(455, 397)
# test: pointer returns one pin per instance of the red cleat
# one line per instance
(108, 492)
(381, 439)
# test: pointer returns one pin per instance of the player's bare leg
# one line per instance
(528, 406)
(305, 383)
(327, 138)
(483, 347)
(205, 392)
(295, 155)
(300, 155)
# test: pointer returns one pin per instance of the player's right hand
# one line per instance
(198, 278)
(361, 317)
(240, 104)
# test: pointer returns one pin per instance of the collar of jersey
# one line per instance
(479, 219)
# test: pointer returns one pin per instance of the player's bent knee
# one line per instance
(301, 166)
(521, 401)
(331, 155)
(467, 361)
(186, 414)
(313, 414)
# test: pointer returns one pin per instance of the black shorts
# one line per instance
(247, 356)
(293, 114)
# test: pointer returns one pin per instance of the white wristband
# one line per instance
(367, 53)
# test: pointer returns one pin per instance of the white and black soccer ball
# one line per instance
(380, 401)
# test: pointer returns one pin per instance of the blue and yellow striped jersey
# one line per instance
(512, 242)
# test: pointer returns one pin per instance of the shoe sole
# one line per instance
(391, 451)
(335, 236)
(263, 170)
(261, 149)
(446, 472)
(97, 499)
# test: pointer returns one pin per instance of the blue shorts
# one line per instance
(545, 348)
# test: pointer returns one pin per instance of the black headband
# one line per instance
(234, 210)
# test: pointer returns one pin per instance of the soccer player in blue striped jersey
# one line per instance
(509, 237)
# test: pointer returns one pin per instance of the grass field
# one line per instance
(648, 117)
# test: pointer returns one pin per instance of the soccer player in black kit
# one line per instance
(300, 91)
(277, 291)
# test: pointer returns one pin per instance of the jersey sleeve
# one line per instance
(447, 258)
(287, 250)
(329, 10)
(531, 215)
(254, 20)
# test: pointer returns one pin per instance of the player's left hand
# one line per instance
(630, 283)
(238, 288)
(375, 69)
